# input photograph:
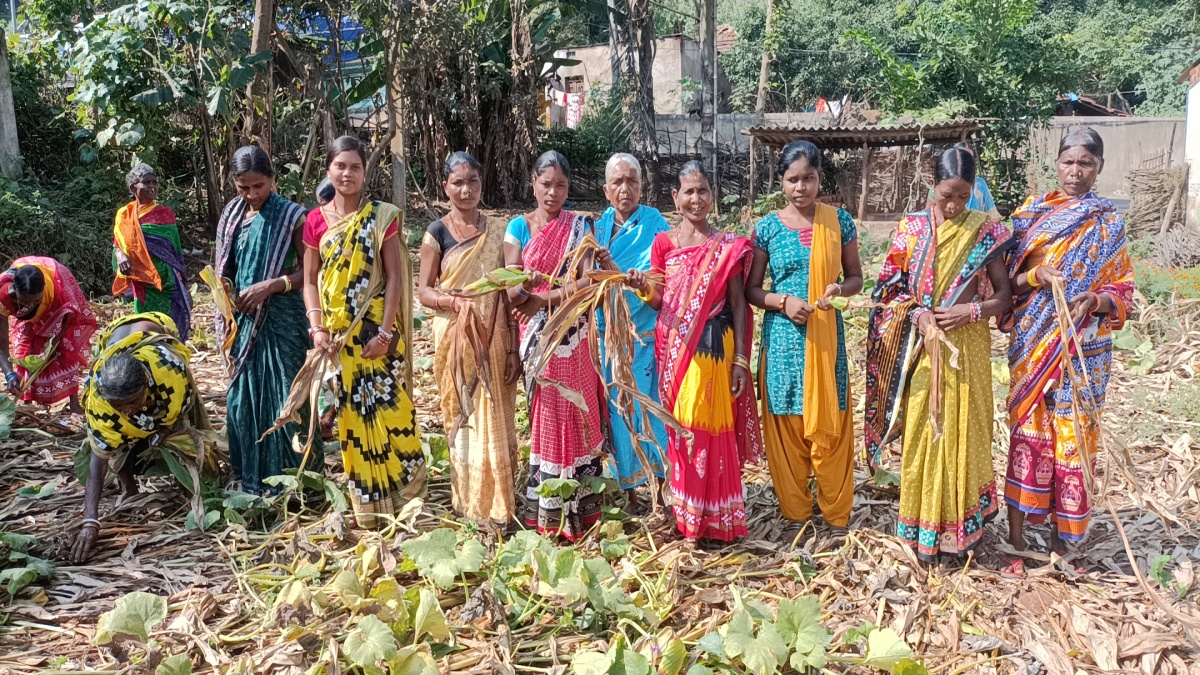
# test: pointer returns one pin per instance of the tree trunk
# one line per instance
(10, 149)
(615, 41)
(260, 121)
(764, 69)
(511, 142)
(639, 90)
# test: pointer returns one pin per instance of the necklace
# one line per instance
(459, 234)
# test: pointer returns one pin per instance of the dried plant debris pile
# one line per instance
(269, 587)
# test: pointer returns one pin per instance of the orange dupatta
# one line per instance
(822, 417)
(127, 235)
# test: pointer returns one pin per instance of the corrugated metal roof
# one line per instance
(876, 136)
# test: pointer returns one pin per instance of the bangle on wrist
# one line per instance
(91, 522)
(287, 284)
(783, 298)
(313, 330)
(645, 295)
(1031, 278)
(976, 312)
(314, 309)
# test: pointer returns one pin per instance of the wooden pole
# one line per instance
(866, 182)
(753, 172)
(764, 68)
(10, 149)
(259, 126)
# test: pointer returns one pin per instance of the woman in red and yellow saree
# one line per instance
(703, 344)
(566, 441)
(147, 253)
(945, 272)
(1079, 237)
(40, 303)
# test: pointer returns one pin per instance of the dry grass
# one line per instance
(965, 618)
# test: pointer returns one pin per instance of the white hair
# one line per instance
(617, 160)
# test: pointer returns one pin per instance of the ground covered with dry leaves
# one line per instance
(272, 589)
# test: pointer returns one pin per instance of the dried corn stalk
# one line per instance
(604, 293)
(933, 343)
(469, 340)
(224, 305)
(34, 365)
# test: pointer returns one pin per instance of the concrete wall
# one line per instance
(1130, 143)
(680, 134)
(1192, 152)
(676, 58)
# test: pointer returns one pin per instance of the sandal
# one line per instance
(1014, 567)
(838, 533)
(795, 534)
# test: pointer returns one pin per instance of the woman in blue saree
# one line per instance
(626, 230)
(259, 261)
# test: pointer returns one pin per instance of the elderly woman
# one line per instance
(1076, 237)
(627, 230)
(147, 255)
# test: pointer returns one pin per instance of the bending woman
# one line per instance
(40, 303)
(147, 254)
(358, 294)
(945, 271)
(259, 251)
(458, 249)
(565, 441)
(703, 337)
(140, 401)
(1074, 235)
(627, 230)
(808, 421)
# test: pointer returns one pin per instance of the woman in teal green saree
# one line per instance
(258, 259)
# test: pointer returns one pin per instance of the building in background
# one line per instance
(1192, 143)
(677, 75)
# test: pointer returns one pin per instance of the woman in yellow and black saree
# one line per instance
(143, 409)
(358, 295)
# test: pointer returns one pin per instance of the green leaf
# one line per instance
(179, 664)
(177, 470)
(700, 670)
(336, 497)
(909, 667)
(799, 623)
(130, 134)
(17, 578)
(591, 663)
(672, 656)
(218, 101)
(83, 463)
(557, 487)
(762, 655)
(429, 619)
(31, 362)
(33, 491)
(1126, 340)
(438, 560)
(8, 413)
(856, 635)
(1158, 570)
(17, 542)
(885, 649)
(133, 614)
(44, 568)
(883, 477)
(713, 644)
(614, 549)
(370, 642)
(413, 661)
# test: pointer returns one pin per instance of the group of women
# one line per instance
(342, 273)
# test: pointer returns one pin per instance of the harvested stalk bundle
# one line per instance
(933, 342)
(605, 292)
(1072, 348)
(306, 388)
(34, 364)
(469, 348)
(224, 305)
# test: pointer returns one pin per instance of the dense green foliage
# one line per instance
(909, 56)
